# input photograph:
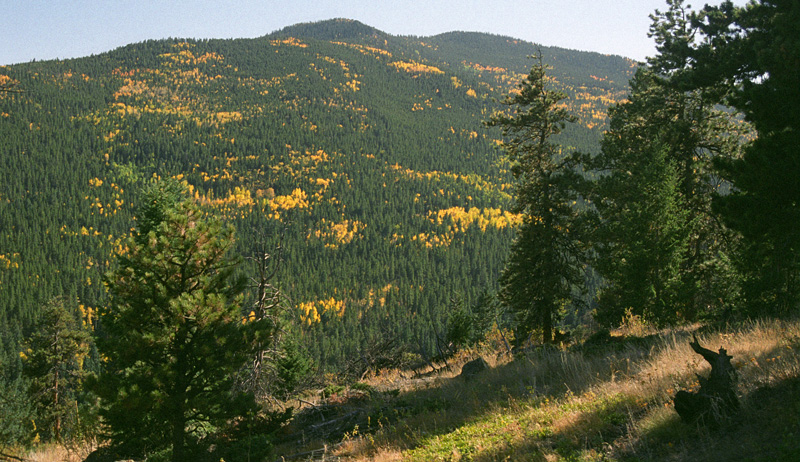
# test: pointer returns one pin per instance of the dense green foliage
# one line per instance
(747, 57)
(362, 153)
(658, 246)
(545, 264)
(173, 335)
(53, 360)
(681, 224)
(365, 153)
(761, 64)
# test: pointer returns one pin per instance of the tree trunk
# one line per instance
(57, 422)
(547, 326)
(179, 398)
(716, 401)
(179, 432)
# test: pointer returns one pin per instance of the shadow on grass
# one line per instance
(528, 380)
(619, 427)
(543, 406)
(767, 429)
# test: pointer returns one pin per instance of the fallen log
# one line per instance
(320, 455)
(716, 401)
(9, 457)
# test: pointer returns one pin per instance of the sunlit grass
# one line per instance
(60, 452)
(613, 402)
(609, 402)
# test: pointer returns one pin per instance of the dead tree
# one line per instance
(268, 304)
(716, 401)
(376, 355)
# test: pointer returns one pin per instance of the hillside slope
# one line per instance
(362, 152)
(609, 399)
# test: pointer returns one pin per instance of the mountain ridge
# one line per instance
(367, 154)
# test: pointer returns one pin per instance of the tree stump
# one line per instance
(716, 401)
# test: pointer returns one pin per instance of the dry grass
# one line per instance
(611, 402)
(61, 453)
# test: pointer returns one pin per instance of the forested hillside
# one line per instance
(362, 154)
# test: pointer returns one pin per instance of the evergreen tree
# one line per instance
(392, 199)
(657, 244)
(753, 53)
(292, 370)
(545, 264)
(16, 426)
(765, 202)
(53, 360)
(174, 333)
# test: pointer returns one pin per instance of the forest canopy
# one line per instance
(664, 191)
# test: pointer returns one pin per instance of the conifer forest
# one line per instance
(192, 231)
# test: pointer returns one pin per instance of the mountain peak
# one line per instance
(331, 29)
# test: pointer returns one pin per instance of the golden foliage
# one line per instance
(88, 316)
(461, 219)
(415, 67)
(6, 81)
(311, 312)
(9, 261)
(297, 199)
(336, 234)
(378, 52)
(432, 240)
(291, 41)
(225, 117)
(481, 68)
(378, 297)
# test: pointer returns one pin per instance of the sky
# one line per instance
(50, 29)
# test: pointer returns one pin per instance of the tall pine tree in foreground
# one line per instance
(754, 51)
(545, 264)
(660, 248)
(174, 334)
(656, 241)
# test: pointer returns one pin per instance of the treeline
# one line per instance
(364, 156)
(684, 213)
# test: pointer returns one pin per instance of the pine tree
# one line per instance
(763, 205)
(545, 264)
(174, 334)
(753, 52)
(638, 239)
(53, 360)
(658, 244)
(656, 241)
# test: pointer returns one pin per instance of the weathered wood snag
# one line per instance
(716, 401)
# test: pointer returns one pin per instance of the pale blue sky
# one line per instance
(48, 29)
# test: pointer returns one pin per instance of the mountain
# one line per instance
(332, 30)
(362, 153)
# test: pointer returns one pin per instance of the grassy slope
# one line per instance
(608, 402)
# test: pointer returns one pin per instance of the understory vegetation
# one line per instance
(608, 397)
